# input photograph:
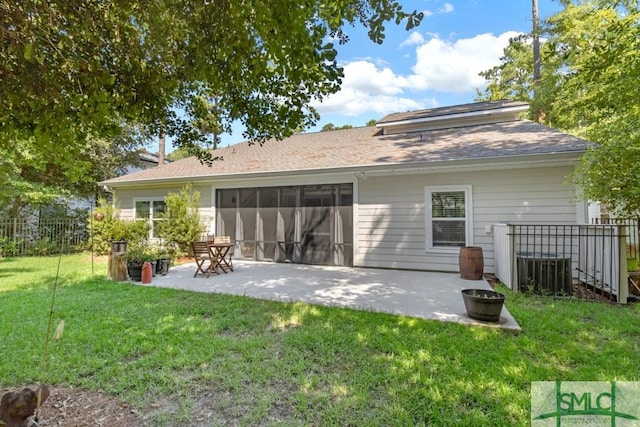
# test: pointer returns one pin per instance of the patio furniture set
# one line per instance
(213, 256)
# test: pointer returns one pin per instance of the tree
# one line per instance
(330, 126)
(33, 179)
(588, 87)
(73, 69)
(75, 75)
(600, 98)
(372, 122)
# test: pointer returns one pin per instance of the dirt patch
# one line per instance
(68, 407)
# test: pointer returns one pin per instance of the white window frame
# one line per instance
(151, 217)
(428, 223)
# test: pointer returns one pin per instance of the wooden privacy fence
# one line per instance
(20, 237)
(582, 261)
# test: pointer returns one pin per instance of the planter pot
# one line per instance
(135, 271)
(471, 263)
(118, 246)
(482, 304)
(154, 267)
(162, 266)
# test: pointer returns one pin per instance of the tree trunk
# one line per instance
(161, 149)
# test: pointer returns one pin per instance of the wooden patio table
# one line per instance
(219, 252)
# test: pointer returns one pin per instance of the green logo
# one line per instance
(594, 403)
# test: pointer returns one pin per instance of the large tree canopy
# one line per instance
(73, 72)
(589, 87)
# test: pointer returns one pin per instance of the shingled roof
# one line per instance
(452, 110)
(366, 147)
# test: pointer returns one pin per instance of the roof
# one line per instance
(454, 110)
(366, 147)
(149, 157)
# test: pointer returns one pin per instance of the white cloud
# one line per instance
(444, 66)
(453, 66)
(446, 8)
(368, 89)
(415, 38)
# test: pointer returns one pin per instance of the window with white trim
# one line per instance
(151, 211)
(448, 213)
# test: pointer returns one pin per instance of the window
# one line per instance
(151, 211)
(448, 223)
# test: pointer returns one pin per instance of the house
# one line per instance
(406, 194)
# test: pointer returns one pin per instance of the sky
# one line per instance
(433, 65)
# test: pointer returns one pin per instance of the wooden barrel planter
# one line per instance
(482, 304)
(471, 263)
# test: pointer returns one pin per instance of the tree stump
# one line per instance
(16, 407)
(117, 266)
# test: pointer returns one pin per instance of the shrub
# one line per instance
(182, 220)
(10, 247)
(105, 226)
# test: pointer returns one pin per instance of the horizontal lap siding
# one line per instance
(125, 198)
(390, 215)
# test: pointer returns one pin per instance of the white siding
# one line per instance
(125, 199)
(390, 213)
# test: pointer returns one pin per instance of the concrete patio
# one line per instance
(427, 295)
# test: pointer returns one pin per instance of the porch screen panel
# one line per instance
(247, 223)
(343, 246)
(317, 202)
(288, 239)
(227, 206)
(448, 213)
(267, 223)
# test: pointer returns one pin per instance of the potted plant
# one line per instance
(483, 304)
(162, 259)
(136, 256)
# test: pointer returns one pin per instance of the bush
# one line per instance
(10, 247)
(182, 220)
(105, 226)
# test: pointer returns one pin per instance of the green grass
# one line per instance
(176, 354)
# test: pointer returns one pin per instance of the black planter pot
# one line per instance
(482, 304)
(154, 267)
(118, 246)
(135, 271)
(162, 266)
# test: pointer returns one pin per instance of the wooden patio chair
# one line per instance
(226, 261)
(202, 255)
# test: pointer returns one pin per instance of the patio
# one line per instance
(427, 295)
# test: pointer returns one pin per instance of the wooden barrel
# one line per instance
(471, 263)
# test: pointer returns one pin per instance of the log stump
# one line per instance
(117, 266)
(17, 406)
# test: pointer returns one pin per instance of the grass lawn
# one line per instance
(255, 362)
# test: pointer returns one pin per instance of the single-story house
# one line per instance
(406, 193)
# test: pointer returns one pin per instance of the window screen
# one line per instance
(447, 219)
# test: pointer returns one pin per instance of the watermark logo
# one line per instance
(585, 403)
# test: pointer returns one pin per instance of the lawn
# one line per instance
(177, 356)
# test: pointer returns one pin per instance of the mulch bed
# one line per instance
(68, 407)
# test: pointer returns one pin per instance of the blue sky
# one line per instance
(434, 65)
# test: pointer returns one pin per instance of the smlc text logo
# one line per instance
(585, 403)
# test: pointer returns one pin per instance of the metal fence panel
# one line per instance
(35, 236)
(582, 261)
